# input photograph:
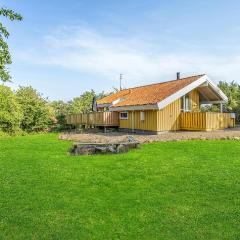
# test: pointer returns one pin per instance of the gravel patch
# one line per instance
(117, 137)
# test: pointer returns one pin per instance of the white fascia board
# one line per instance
(182, 92)
(109, 104)
(116, 101)
(133, 108)
(202, 80)
(217, 90)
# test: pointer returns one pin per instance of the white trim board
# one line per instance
(188, 89)
(218, 90)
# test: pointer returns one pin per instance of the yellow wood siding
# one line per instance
(155, 120)
(206, 121)
(126, 123)
(149, 123)
(194, 96)
(168, 118)
(193, 121)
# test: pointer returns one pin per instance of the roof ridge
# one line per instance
(151, 84)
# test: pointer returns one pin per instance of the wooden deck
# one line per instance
(105, 119)
(206, 121)
(195, 121)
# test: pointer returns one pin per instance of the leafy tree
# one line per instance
(10, 111)
(36, 112)
(83, 104)
(232, 91)
(210, 108)
(61, 109)
(5, 56)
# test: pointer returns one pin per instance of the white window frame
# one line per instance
(186, 106)
(123, 118)
(142, 116)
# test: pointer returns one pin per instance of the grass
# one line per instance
(175, 190)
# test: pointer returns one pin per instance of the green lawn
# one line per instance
(176, 190)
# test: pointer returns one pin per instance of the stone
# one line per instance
(131, 139)
(90, 149)
(122, 148)
(83, 150)
(101, 150)
(132, 145)
(105, 149)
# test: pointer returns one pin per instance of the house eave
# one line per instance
(104, 105)
(203, 80)
(212, 102)
(135, 107)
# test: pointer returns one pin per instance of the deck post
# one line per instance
(221, 107)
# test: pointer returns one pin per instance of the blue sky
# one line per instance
(63, 48)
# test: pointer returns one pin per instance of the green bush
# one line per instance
(60, 110)
(83, 104)
(36, 112)
(10, 111)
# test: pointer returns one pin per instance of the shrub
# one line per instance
(83, 104)
(60, 110)
(10, 111)
(36, 112)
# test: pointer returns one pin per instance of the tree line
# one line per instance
(26, 110)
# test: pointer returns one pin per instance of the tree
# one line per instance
(61, 109)
(10, 111)
(36, 111)
(5, 56)
(232, 91)
(210, 108)
(83, 104)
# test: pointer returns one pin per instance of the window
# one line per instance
(186, 103)
(123, 115)
(142, 116)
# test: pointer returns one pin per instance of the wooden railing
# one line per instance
(94, 119)
(206, 121)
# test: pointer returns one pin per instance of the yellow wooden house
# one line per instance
(166, 106)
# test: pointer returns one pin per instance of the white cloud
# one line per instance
(141, 62)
